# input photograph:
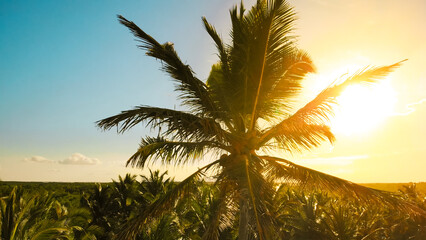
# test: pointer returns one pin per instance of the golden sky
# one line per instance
(380, 136)
(79, 65)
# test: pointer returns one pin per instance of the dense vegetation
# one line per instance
(99, 211)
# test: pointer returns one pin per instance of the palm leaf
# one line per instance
(295, 174)
(178, 123)
(319, 110)
(299, 136)
(154, 148)
(20, 219)
(280, 95)
(219, 87)
(52, 233)
(254, 201)
(194, 92)
(218, 218)
(223, 54)
(272, 24)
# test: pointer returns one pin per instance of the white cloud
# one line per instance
(410, 108)
(321, 2)
(341, 160)
(38, 159)
(79, 159)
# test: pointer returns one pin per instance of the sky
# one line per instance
(66, 64)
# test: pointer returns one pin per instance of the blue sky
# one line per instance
(67, 64)
(70, 63)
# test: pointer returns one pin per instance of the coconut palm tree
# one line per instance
(155, 184)
(245, 109)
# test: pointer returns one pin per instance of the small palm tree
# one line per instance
(34, 217)
(100, 205)
(244, 109)
(123, 192)
(155, 184)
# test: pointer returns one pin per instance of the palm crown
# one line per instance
(245, 108)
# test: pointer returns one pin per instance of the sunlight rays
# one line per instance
(363, 108)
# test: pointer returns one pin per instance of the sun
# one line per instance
(363, 108)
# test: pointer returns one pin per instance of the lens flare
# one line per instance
(363, 108)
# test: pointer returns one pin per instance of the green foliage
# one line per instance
(34, 217)
(105, 209)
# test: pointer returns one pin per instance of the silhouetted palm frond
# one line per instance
(302, 176)
(299, 136)
(220, 211)
(194, 91)
(321, 108)
(178, 123)
(160, 149)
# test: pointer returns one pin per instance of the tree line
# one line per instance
(103, 211)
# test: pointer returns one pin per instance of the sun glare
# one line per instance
(363, 108)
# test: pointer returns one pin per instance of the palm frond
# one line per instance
(320, 109)
(260, 60)
(285, 84)
(275, 23)
(218, 87)
(194, 91)
(160, 149)
(162, 204)
(218, 219)
(254, 201)
(284, 61)
(299, 136)
(178, 123)
(223, 54)
(292, 173)
(262, 47)
(52, 233)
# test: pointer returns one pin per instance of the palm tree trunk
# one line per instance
(244, 217)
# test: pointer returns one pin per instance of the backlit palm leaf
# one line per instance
(220, 213)
(306, 177)
(320, 109)
(179, 124)
(300, 136)
(168, 151)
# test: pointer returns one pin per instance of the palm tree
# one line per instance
(123, 192)
(34, 217)
(100, 205)
(244, 109)
(155, 184)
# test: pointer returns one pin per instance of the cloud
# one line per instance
(79, 159)
(38, 159)
(411, 108)
(321, 2)
(341, 160)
